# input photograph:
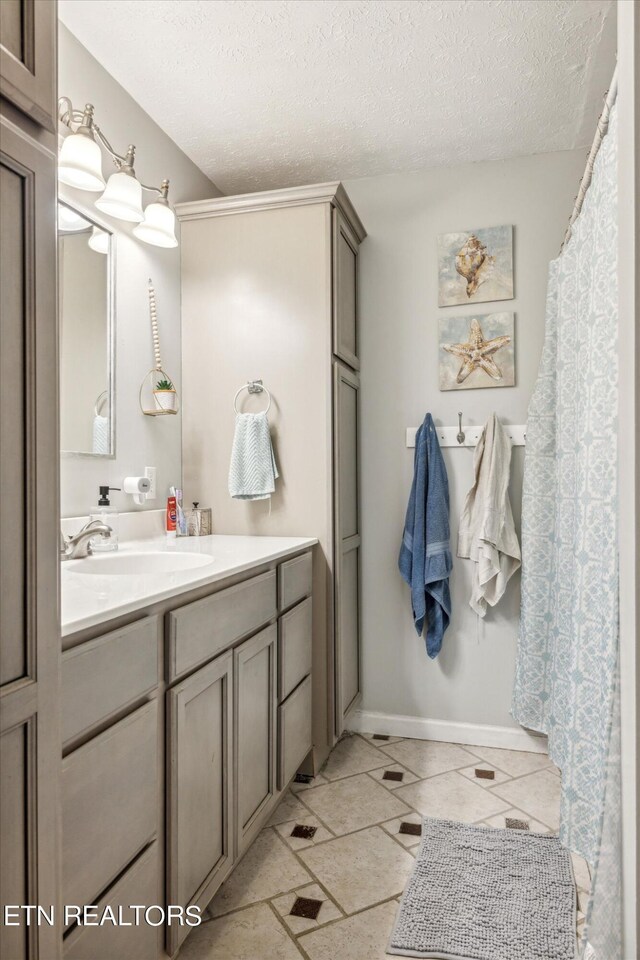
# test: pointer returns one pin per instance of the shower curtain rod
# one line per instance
(603, 125)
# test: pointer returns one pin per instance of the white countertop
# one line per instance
(90, 599)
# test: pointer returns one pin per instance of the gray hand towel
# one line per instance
(253, 470)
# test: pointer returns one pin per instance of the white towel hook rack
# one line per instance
(450, 436)
(252, 386)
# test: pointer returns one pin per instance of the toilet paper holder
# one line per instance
(137, 487)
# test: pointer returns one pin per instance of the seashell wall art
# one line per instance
(475, 266)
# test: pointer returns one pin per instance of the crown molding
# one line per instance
(333, 193)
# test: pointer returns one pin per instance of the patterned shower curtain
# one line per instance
(566, 674)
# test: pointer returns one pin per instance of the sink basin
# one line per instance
(143, 563)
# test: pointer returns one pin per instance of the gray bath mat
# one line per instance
(482, 894)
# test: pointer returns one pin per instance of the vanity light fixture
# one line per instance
(80, 166)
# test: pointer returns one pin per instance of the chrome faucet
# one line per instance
(79, 546)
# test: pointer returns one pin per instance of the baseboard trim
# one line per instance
(421, 728)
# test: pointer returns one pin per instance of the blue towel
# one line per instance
(425, 556)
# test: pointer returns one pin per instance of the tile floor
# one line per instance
(323, 879)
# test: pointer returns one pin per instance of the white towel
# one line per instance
(487, 533)
(253, 470)
(100, 434)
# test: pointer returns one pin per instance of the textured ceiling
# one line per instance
(272, 93)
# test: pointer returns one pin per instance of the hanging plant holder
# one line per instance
(154, 402)
(158, 396)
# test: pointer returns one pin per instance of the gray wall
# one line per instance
(140, 441)
(472, 679)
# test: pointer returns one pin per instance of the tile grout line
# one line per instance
(316, 879)
(453, 769)
(325, 889)
(332, 896)
(366, 826)
(356, 913)
(352, 833)
(289, 933)
(520, 776)
(311, 812)
(403, 800)
(470, 749)
(312, 881)
(466, 747)
(399, 783)
(281, 893)
(533, 816)
(334, 779)
(394, 792)
(394, 836)
(466, 780)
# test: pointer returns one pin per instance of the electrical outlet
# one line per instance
(150, 473)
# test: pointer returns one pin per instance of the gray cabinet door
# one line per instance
(200, 788)
(27, 58)
(345, 291)
(255, 725)
(29, 633)
(346, 543)
(138, 885)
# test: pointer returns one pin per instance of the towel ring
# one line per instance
(253, 386)
(100, 402)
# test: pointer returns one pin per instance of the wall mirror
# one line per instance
(86, 271)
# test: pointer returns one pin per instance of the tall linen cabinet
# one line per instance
(270, 292)
(29, 625)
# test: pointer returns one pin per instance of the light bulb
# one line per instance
(80, 162)
(122, 198)
(158, 226)
(99, 240)
(69, 221)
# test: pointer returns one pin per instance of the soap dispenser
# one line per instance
(105, 513)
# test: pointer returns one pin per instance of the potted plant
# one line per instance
(165, 395)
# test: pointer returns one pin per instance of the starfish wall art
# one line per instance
(477, 351)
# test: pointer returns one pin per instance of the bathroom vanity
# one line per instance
(186, 711)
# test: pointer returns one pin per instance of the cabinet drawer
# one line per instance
(199, 630)
(294, 647)
(294, 732)
(109, 803)
(294, 580)
(104, 675)
(139, 885)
